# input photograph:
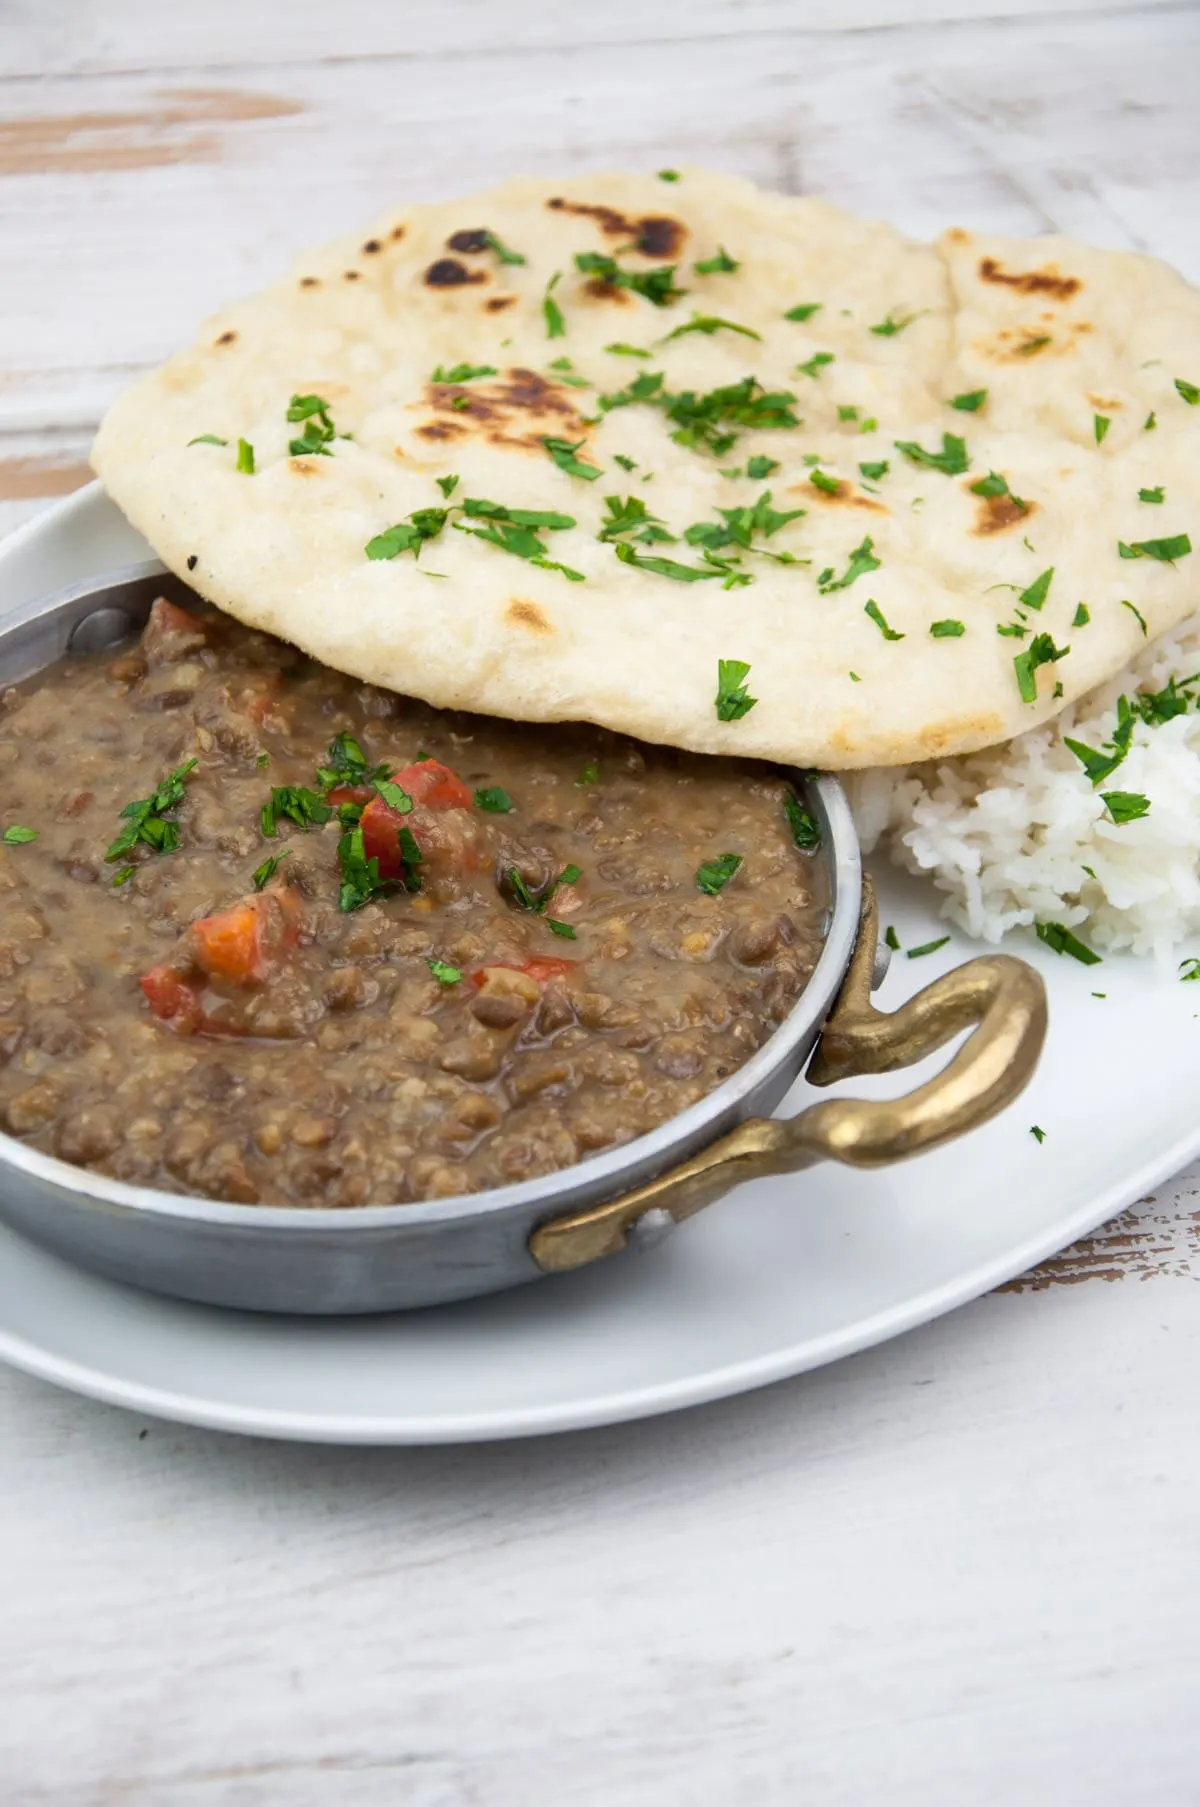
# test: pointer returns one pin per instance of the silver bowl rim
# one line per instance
(598, 1176)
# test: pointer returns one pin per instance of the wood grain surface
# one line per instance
(961, 1568)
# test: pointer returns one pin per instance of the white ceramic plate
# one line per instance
(781, 1276)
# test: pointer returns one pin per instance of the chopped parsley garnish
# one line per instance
(741, 525)
(563, 368)
(245, 457)
(561, 928)
(505, 255)
(1039, 589)
(1101, 765)
(479, 507)
(947, 630)
(927, 947)
(732, 700)
(207, 439)
(294, 803)
(1100, 425)
(823, 481)
(876, 614)
(847, 411)
(996, 485)
(410, 853)
(463, 373)
(667, 567)
(495, 800)
(804, 829)
(515, 530)
(147, 821)
(16, 836)
(1158, 706)
(656, 286)
(720, 265)
(538, 900)
(447, 485)
(887, 329)
(804, 311)
(713, 875)
(1150, 422)
(862, 560)
(1189, 391)
(620, 350)
(443, 972)
(891, 939)
(319, 429)
(563, 453)
(761, 466)
(1059, 937)
(394, 795)
(552, 314)
(815, 365)
(1176, 545)
(1081, 616)
(360, 880)
(668, 175)
(874, 470)
(631, 516)
(346, 763)
(699, 418)
(408, 536)
(1040, 651)
(262, 875)
(952, 460)
(1137, 615)
(1188, 970)
(626, 464)
(1033, 345)
(590, 774)
(1158, 494)
(710, 324)
(1037, 1132)
(1126, 806)
(970, 402)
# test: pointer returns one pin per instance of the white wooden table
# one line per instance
(962, 1568)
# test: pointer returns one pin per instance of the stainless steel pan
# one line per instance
(395, 1257)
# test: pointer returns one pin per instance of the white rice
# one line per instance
(1007, 833)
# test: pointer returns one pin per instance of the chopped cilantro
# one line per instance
(147, 821)
(1158, 706)
(620, 350)
(947, 630)
(408, 536)
(952, 459)
(360, 880)
(732, 700)
(462, 373)
(295, 803)
(666, 567)
(633, 517)
(262, 875)
(1150, 422)
(552, 314)
(1189, 391)
(761, 466)
(823, 481)
(669, 175)
(514, 530)
(804, 311)
(888, 328)
(741, 525)
(875, 470)
(713, 875)
(656, 286)
(16, 836)
(996, 485)
(538, 900)
(447, 485)
(1176, 545)
(561, 928)
(1081, 616)
(847, 411)
(1100, 425)
(1188, 970)
(804, 829)
(927, 947)
(1158, 494)
(1059, 937)
(245, 457)
(207, 439)
(1037, 1132)
(590, 774)
(970, 401)
(1126, 806)
(1137, 615)
(395, 796)
(495, 800)
(346, 763)
(862, 560)
(1040, 651)
(816, 364)
(505, 255)
(443, 972)
(563, 453)
(319, 430)
(873, 609)
(891, 939)
(1039, 589)
(1101, 765)
(626, 464)
(745, 404)
(710, 324)
(720, 265)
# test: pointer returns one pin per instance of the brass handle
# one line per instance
(1003, 997)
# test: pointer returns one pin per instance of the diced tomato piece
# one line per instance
(434, 785)
(171, 633)
(172, 999)
(239, 943)
(541, 968)
(381, 825)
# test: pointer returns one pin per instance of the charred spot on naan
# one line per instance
(528, 615)
(448, 273)
(995, 514)
(1027, 344)
(495, 304)
(515, 409)
(653, 234)
(470, 240)
(1049, 281)
(600, 290)
(225, 338)
(304, 467)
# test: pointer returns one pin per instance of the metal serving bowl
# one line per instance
(394, 1257)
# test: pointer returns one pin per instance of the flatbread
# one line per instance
(1071, 344)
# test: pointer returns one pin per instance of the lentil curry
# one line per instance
(271, 935)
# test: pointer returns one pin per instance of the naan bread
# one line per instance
(1062, 338)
